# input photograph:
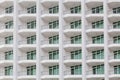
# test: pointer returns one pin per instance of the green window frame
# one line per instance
(9, 55)
(9, 70)
(75, 9)
(54, 24)
(9, 9)
(116, 54)
(54, 70)
(31, 70)
(9, 25)
(116, 39)
(98, 69)
(54, 55)
(75, 24)
(31, 55)
(54, 39)
(99, 54)
(98, 39)
(98, 9)
(31, 25)
(98, 24)
(76, 70)
(31, 9)
(117, 69)
(54, 9)
(76, 39)
(77, 54)
(116, 25)
(31, 39)
(116, 10)
(9, 40)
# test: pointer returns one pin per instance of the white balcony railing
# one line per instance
(25, 27)
(25, 42)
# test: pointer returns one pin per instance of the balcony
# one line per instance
(47, 75)
(94, 31)
(6, 3)
(25, 62)
(3, 76)
(71, 2)
(49, 62)
(26, 16)
(94, 46)
(75, 31)
(93, 3)
(114, 3)
(113, 45)
(5, 62)
(91, 61)
(49, 3)
(94, 16)
(69, 46)
(114, 30)
(47, 31)
(68, 75)
(71, 16)
(47, 46)
(5, 46)
(96, 75)
(113, 15)
(25, 31)
(6, 16)
(47, 16)
(22, 75)
(113, 60)
(27, 3)
(5, 31)
(69, 61)
(25, 46)
(114, 75)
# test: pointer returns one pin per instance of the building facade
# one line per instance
(60, 40)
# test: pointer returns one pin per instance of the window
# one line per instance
(117, 69)
(54, 54)
(116, 25)
(31, 9)
(9, 70)
(54, 24)
(76, 39)
(31, 70)
(54, 70)
(76, 24)
(9, 25)
(54, 9)
(9, 40)
(31, 39)
(76, 9)
(99, 54)
(116, 10)
(116, 39)
(9, 9)
(76, 54)
(31, 55)
(98, 39)
(98, 9)
(76, 70)
(54, 39)
(116, 54)
(99, 69)
(97, 24)
(9, 55)
(31, 25)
